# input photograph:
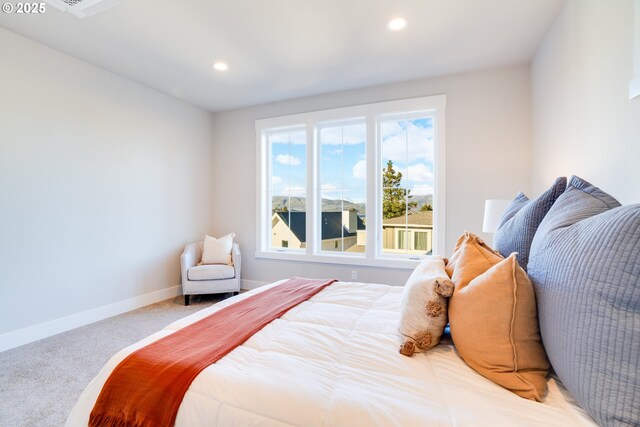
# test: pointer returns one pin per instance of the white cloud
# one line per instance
(396, 146)
(330, 191)
(281, 187)
(297, 137)
(360, 170)
(419, 173)
(348, 135)
(287, 159)
(329, 187)
(421, 190)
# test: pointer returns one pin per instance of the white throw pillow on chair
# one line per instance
(217, 251)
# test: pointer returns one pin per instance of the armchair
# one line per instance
(210, 278)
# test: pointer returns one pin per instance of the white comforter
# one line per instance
(334, 361)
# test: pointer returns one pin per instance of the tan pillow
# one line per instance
(423, 307)
(456, 254)
(471, 258)
(494, 327)
(217, 251)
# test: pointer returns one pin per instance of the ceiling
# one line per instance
(284, 49)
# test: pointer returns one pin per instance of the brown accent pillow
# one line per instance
(470, 258)
(494, 326)
(451, 262)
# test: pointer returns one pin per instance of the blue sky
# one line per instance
(341, 149)
(408, 143)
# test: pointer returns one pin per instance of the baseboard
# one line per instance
(37, 332)
(252, 284)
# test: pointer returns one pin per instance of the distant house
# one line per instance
(412, 234)
(339, 230)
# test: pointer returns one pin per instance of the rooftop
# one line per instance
(332, 227)
(418, 218)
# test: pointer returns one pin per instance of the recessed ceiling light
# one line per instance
(220, 66)
(397, 24)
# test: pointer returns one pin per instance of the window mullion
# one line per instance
(342, 186)
(406, 182)
(264, 191)
(312, 189)
(373, 204)
(290, 232)
(438, 236)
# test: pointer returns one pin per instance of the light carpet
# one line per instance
(40, 382)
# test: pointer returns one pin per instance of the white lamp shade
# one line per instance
(493, 210)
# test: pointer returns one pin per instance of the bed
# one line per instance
(333, 361)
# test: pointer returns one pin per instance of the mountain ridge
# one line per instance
(298, 204)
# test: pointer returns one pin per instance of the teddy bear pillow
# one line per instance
(423, 307)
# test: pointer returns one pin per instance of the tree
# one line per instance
(426, 208)
(395, 200)
(283, 208)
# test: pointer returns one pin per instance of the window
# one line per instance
(402, 242)
(342, 182)
(359, 185)
(407, 154)
(287, 186)
(420, 241)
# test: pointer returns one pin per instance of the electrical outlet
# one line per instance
(354, 274)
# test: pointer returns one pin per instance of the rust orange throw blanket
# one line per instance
(147, 387)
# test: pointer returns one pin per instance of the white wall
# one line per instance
(583, 120)
(102, 182)
(488, 138)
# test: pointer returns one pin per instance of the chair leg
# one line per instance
(186, 299)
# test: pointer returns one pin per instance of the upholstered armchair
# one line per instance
(208, 278)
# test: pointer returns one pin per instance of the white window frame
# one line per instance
(634, 84)
(372, 113)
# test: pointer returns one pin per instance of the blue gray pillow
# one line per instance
(521, 219)
(585, 269)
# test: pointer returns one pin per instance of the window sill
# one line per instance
(386, 262)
